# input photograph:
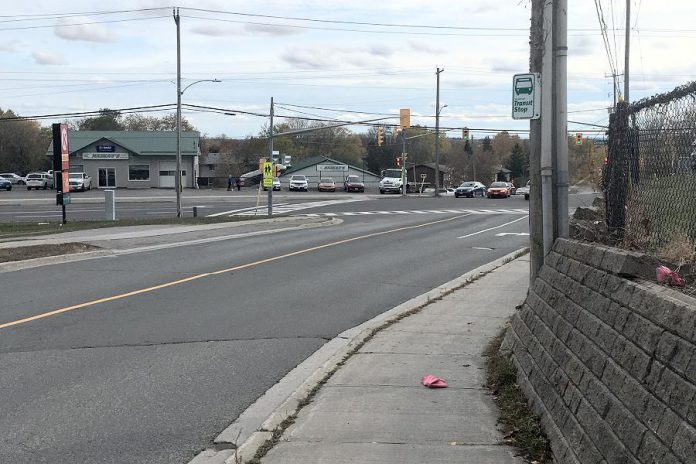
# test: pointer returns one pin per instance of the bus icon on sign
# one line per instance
(524, 85)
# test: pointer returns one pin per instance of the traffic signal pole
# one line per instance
(403, 162)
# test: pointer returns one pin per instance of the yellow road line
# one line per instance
(221, 271)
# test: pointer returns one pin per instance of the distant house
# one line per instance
(425, 174)
(503, 175)
(319, 167)
(133, 159)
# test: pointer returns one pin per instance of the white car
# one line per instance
(14, 178)
(79, 181)
(39, 180)
(298, 183)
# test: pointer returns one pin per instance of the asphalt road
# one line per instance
(153, 377)
(39, 206)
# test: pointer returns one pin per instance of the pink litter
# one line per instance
(431, 381)
(665, 274)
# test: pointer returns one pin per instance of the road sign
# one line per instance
(526, 96)
(332, 167)
(424, 175)
(268, 170)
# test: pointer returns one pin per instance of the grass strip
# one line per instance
(24, 229)
(522, 428)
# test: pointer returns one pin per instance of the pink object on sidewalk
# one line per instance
(431, 381)
(663, 273)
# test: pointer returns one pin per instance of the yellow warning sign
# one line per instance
(268, 174)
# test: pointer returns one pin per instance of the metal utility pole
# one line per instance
(547, 128)
(560, 115)
(437, 133)
(628, 49)
(270, 159)
(177, 177)
(403, 162)
(536, 253)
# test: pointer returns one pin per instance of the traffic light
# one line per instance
(380, 136)
(578, 138)
(398, 162)
(465, 134)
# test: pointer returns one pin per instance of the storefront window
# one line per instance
(139, 172)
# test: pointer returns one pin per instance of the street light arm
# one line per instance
(196, 82)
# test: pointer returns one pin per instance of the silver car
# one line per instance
(298, 183)
(13, 178)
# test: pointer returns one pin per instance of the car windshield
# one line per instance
(498, 184)
(298, 178)
(352, 179)
(468, 184)
(392, 173)
(34, 176)
(327, 180)
(76, 174)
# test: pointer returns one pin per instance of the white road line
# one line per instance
(233, 211)
(493, 228)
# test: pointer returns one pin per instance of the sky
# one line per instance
(319, 59)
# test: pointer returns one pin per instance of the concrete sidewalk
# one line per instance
(374, 409)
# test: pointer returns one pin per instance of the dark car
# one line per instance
(470, 189)
(5, 184)
(353, 184)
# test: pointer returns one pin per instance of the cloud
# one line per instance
(50, 59)
(9, 47)
(267, 29)
(308, 58)
(483, 8)
(336, 57)
(424, 47)
(247, 29)
(82, 32)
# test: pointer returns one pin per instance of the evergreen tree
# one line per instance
(517, 162)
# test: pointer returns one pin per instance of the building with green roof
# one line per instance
(133, 159)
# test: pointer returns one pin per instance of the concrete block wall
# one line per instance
(608, 360)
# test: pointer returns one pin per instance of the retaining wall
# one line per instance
(608, 360)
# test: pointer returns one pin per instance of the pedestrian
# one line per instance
(229, 182)
(239, 184)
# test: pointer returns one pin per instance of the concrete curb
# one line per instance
(47, 260)
(255, 426)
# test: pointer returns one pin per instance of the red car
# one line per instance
(498, 190)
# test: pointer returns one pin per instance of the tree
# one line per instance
(140, 122)
(107, 120)
(23, 144)
(517, 163)
(486, 145)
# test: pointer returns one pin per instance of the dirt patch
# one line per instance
(41, 251)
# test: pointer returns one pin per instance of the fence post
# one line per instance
(616, 184)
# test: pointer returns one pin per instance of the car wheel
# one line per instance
(9, 188)
(381, 192)
(45, 186)
(28, 188)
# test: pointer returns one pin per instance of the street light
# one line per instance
(437, 150)
(179, 93)
(437, 133)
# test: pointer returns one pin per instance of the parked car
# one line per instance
(5, 184)
(276, 184)
(14, 178)
(513, 189)
(470, 189)
(499, 190)
(39, 180)
(298, 182)
(353, 184)
(446, 192)
(326, 184)
(524, 191)
(79, 181)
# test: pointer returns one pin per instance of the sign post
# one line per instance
(61, 157)
(526, 96)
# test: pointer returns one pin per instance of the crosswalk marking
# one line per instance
(289, 208)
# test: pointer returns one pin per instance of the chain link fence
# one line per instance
(650, 178)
